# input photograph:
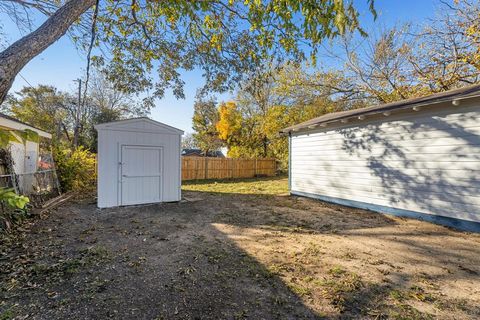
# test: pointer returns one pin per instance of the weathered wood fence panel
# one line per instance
(199, 168)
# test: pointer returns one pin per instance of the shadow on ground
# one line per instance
(233, 256)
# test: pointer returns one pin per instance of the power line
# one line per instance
(25, 80)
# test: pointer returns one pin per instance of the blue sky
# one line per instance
(60, 64)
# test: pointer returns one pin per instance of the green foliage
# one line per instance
(100, 116)
(13, 208)
(43, 107)
(205, 118)
(250, 126)
(55, 111)
(29, 135)
(13, 200)
(7, 136)
(145, 45)
(226, 39)
(75, 168)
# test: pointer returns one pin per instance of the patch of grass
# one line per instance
(71, 266)
(397, 295)
(280, 269)
(340, 286)
(186, 271)
(259, 186)
(300, 290)
(95, 253)
(337, 271)
(313, 250)
(457, 304)
(92, 256)
(215, 256)
(7, 315)
(402, 310)
(419, 294)
(407, 312)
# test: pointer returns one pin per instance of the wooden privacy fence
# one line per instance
(194, 168)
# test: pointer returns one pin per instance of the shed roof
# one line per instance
(446, 96)
(141, 124)
(7, 121)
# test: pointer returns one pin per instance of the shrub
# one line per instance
(75, 168)
(13, 208)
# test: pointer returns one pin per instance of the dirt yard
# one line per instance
(233, 251)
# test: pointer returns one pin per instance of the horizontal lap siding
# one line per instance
(425, 162)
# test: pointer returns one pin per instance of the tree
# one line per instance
(393, 64)
(105, 103)
(255, 97)
(250, 126)
(189, 142)
(229, 125)
(100, 115)
(224, 38)
(103, 95)
(43, 107)
(205, 118)
(449, 55)
(17, 55)
(380, 67)
(390, 65)
(54, 111)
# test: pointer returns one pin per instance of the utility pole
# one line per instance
(76, 130)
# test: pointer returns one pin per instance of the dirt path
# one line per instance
(234, 256)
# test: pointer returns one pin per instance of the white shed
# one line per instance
(138, 162)
(418, 158)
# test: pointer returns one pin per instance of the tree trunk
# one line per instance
(16, 56)
(265, 146)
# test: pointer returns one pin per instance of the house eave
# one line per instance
(455, 97)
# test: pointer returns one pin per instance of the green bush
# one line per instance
(13, 208)
(12, 199)
(75, 168)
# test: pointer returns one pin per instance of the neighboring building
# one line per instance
(200, 153)
(25, 154)
(138, 162)
(418, 157)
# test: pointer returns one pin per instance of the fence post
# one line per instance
(255, 173)
(206, 168)
(196, 170)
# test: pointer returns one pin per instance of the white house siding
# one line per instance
(109, 147)
(425, 161)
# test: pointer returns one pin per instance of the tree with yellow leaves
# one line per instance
(229, 124)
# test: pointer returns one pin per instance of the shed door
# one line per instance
(141, 174)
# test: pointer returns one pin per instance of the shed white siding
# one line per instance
(426, 161)
(143, 132)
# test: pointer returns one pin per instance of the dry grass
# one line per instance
(259, 186)
(238, 250)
